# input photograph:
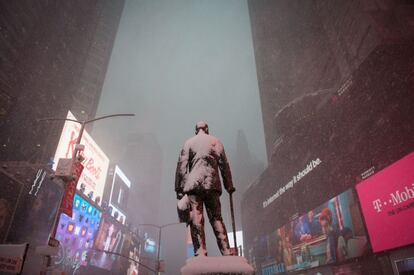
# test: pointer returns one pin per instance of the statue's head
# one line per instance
(201, 126)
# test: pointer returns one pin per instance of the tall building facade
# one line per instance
(142, 161)
(335, 82)
(302, 47)
(246, 168)
(54, 59)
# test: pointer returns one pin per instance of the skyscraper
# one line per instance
(54, 59)
(304, 47)
(142, 162)
(335, 80)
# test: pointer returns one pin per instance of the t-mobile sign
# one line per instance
(387, 200)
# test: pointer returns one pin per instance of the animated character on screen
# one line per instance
(197, 181)
(307, 227)
(325, 219)
(302, 229)
(314, 225)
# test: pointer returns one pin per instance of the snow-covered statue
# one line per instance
(197, 183)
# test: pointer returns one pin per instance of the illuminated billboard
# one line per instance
(77, 234)
(387, 201)
(110, 238)
(131, 249)
(150, 246)
(96, 162)
(118, 198)
(330, 233)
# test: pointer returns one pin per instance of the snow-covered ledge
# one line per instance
(233, 265)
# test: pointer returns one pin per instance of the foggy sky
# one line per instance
(175, 63)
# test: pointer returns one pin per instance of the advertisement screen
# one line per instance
(118, 198)
(109, 239)
(96, 162)
(77, 234)
(405, 266)
(150, 246)
(130, 249)
(330, 233)
(387, 201)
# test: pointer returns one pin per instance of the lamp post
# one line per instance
(83, 122)
(159, 227)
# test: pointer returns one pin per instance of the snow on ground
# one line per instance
(217, 265)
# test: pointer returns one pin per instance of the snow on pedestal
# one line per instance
(233, 265)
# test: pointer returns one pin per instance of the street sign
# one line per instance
(11, 264)
(12, 257)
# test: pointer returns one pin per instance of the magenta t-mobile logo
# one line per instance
(395, 198)
(377, 205)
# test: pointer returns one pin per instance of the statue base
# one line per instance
(224, 265)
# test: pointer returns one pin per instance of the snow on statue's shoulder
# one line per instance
(217, 266)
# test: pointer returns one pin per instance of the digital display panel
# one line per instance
(130, 249)
(77, 234)
(95, 161)
(118, 198)
(330, 233)
(150, 246)
(405, 266)
(110, 239)
(387, 201)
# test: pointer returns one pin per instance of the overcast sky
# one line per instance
(175, 63)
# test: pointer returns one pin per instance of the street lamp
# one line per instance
(83, 122)
(159, 227)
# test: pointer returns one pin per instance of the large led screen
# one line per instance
(330, 233)
(77, 234)
(387, 201)
(118, 198)
(131, 249)
(95, 161)
(108, 243)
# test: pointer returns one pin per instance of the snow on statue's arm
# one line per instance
(225, 170)
(181, 171)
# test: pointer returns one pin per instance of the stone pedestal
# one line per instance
(224, 265)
